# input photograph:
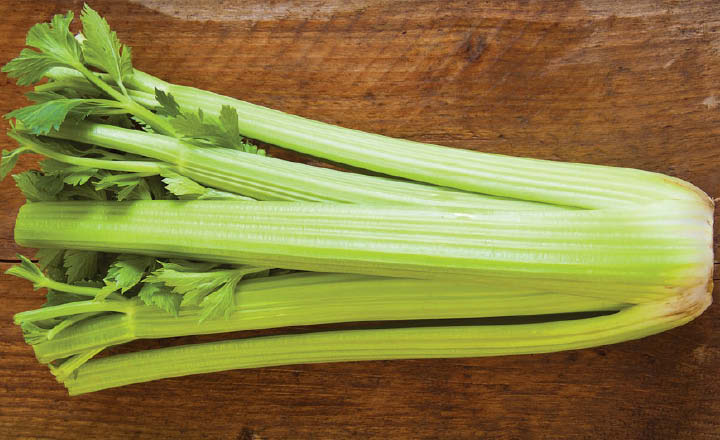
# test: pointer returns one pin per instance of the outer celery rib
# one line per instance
(400, 343)
(569, 184)
(632, 254)
(267, 178)
(551, 182)
(307, 299)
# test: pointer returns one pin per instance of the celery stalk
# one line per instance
(632, 254)
(399, 343)
(257, 176)
(557, 183)
(306, 299)
(560, 183)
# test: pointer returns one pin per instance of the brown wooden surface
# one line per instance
(620, 83)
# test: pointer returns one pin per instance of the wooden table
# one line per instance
(633, 84)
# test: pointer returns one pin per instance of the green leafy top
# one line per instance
(84, 284)
(58, 48)
(98, 47)
(54, 109)
(102, 48)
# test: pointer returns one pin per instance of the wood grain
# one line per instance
(609, 82)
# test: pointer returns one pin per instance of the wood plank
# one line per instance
(619, 83)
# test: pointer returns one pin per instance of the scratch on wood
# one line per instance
(473, 46)
(636, 9)
(196, 11)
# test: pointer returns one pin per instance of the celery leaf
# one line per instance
(194, 286)
(9, 160)
(143, 125)
(49, 115)
(168, 105)
(74, 175)
(203, 130)
(126, 186)
(79, 175)
(58, 48)
(37, 187)
(30, 67)
(80, 265)
(49, 257)
(187, 189)
(211, 289)
(220, 302)
(82, 192)
(154, 294)
(40, 97)
(128, 270)
(102, 48)
(229, 122)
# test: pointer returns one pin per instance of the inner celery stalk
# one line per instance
(631, 254)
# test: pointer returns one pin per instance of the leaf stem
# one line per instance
(77, 290)
(72, 308)
(152, 168)
(158, 123)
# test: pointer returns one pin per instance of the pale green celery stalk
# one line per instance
(569, 184)
(266, 178)
(400, 343)
(631, 254)
(559, 183)
(307, 299)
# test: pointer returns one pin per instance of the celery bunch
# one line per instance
(156, 215)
